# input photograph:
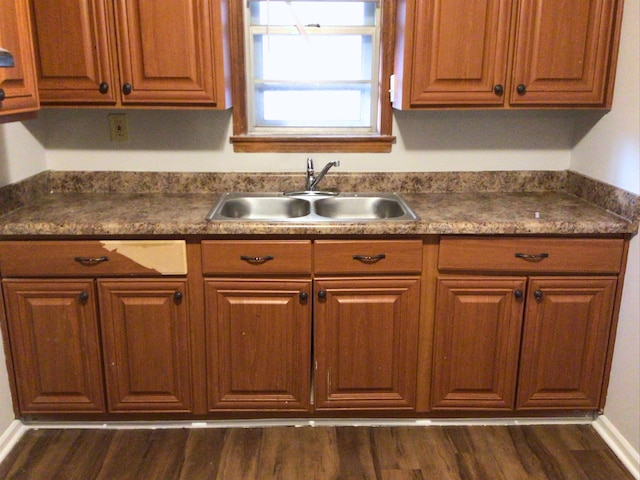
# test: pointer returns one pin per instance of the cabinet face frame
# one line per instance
(379, 318)
(258, 344)
(55, 345)
(147, 350)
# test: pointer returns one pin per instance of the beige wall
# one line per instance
(610, 151)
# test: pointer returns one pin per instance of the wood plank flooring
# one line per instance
(318, 453)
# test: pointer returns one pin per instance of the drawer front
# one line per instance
(92, 258)
(367, 256)
(579, 255)
(256, 257)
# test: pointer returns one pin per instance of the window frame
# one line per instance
(245, 141)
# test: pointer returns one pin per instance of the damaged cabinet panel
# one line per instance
(93, 258)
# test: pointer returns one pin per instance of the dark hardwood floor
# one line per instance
(296, 453)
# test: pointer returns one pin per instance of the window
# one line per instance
(311, 76)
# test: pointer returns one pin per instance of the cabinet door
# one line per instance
(564, 344)
(563, 52)
(258, 344)
(72, 52)
(145, 329)
(366, 339)
(459, 54)
(53, 332)
(477, 342)
(18, 90)
(166, 51)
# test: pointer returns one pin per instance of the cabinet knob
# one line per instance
(84, 296)
(498, 90)
(521, 89)
(178, 295)
(104, 87)
(304, 296)
(538, 294)
(2, 94)
(127, 88)
(517, 294)
(322, 294)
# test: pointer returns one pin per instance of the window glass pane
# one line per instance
(311, 13)
(316, 108)
(312, 58)
(313, 66)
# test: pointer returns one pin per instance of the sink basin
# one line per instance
(308, 207)
(264, 208)
(360, 208)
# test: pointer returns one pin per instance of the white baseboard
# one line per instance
(10, 437)
(317, 422)
(620, 446)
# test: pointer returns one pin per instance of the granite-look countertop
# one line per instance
(144, 214)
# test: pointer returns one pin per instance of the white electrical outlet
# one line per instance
(119, 127)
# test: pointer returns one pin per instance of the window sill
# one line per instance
(313, 144)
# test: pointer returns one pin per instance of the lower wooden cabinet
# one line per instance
(477, 342)
(534, 342)
(365, 343)
(565, 340)
(146, 339)
(293, 327)
(55, 345)
(258, 344)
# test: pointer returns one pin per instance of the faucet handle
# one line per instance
(309, 164)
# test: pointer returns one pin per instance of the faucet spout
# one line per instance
(312, 179)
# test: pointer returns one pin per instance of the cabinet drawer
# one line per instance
(588, 255)
(372, 256)
(92, 258)
(256, 257)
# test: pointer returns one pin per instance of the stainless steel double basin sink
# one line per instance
(311, 207)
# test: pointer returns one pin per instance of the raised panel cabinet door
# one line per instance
(563, 52)
(18, 89)
(258, 344)
(166, 51)
(459, 54)
(53, 332)
(147, 352)
(73, 57)
(477, 343)
(366, 340)
(565, 341)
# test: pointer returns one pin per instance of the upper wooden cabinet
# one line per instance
(18, 91)
(501, 53)
(565, 52)
(131, 52)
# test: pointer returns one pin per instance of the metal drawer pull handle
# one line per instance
(527, 256)
(89, 261)
(369, 259)
(249, 259)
